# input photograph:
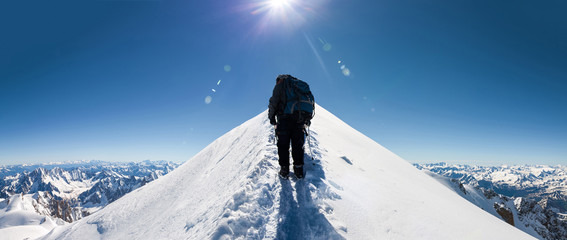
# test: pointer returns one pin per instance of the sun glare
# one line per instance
(275, 14)
(274, 7)
(278, 3)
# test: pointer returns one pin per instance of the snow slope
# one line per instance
(488, 204)
(535, 217)
(20, 220)
(354, 189)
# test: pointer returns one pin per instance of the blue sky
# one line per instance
(477, 82)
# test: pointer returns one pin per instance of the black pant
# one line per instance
(289, 130)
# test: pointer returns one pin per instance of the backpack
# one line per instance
(299, 99)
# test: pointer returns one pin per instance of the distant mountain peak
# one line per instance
(534, 195)
(35, 199)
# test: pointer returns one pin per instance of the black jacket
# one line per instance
(277, 102)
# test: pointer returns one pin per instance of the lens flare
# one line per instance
(346, 72)
(208, 99)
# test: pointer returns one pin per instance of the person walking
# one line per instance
(290, 110)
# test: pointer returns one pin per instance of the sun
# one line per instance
(273, 7)
(278, 3)
(278, 13)
(281, 15)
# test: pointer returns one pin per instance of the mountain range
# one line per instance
(532, 198)
(61, 193)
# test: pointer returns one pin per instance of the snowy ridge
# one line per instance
(86, 184)
(547, 183)
(19, 218)
(354, 189)
(527, 197)
(253, 211)
(497, 205)
(31, 196)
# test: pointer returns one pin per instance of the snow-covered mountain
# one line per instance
(539, 183)
(31, 195)
(87, 182)
(354, 189)
(21, 217)
(532, 198)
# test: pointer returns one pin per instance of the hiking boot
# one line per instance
(298, 170)
(284, 172)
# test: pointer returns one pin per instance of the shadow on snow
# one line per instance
(299, 218)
